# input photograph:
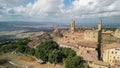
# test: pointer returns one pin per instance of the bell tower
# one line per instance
(72, 29)
(100, 25)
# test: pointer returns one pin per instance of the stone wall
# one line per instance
(117, 33)
(91, 35)
(111, 55)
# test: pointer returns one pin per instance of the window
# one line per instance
(93, 36)
(117, 57)
(87, 51)
(68, 41)
(114, 57)
(112, 52)
(117, 49)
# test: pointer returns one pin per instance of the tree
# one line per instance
(21, 49)
(8, 48)
(74, 62)
(55, 56)
(41, 55)
(67, 52)
(31, 51)
(42, 51)
(24, 41)
(14, 44)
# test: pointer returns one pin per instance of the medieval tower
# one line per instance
(72, 29)
(99, 39)
(99, 31)
(100, 25)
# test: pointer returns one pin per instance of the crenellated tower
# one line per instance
(100, 25)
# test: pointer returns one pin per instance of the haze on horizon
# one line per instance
(61, 11)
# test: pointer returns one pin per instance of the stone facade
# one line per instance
(94, 35)
(100, 25)
(106, 37)
(91, 35)
(72, 29)
(111, 53)
(56, 33)
(117, 33)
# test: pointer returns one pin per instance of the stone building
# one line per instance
(91, 35)
(98, 64)
(99, 48)
(56, 33)
(35, 41)
(72, 28)
(106, 37)
(111, 54)
(117, 33)
(94, 35)
(100, 25)
(109, 37)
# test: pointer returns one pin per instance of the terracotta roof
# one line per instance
(56, 30)
(87, 56)
(91, 56)
(110, 46)
(77, 39)
(69, 44)
(86, 43)
(101, 63)
(37, 40)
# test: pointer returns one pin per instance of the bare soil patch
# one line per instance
(25, 61)
(27, 58)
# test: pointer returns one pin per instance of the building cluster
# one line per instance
(99, 47)
(36, 40)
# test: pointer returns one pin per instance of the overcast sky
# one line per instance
(60, 10)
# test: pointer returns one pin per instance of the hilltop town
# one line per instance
(99, 47)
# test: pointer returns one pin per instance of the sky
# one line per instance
(60, 10)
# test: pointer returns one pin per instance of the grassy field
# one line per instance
(22, 60)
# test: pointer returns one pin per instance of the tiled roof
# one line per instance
(86, 43)
(56, 30)
(101, 63)
(110, 46)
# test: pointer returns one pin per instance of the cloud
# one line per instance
(6, 8)
(94, 8)
(12, 2)
(56, 10)
(46, 7)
